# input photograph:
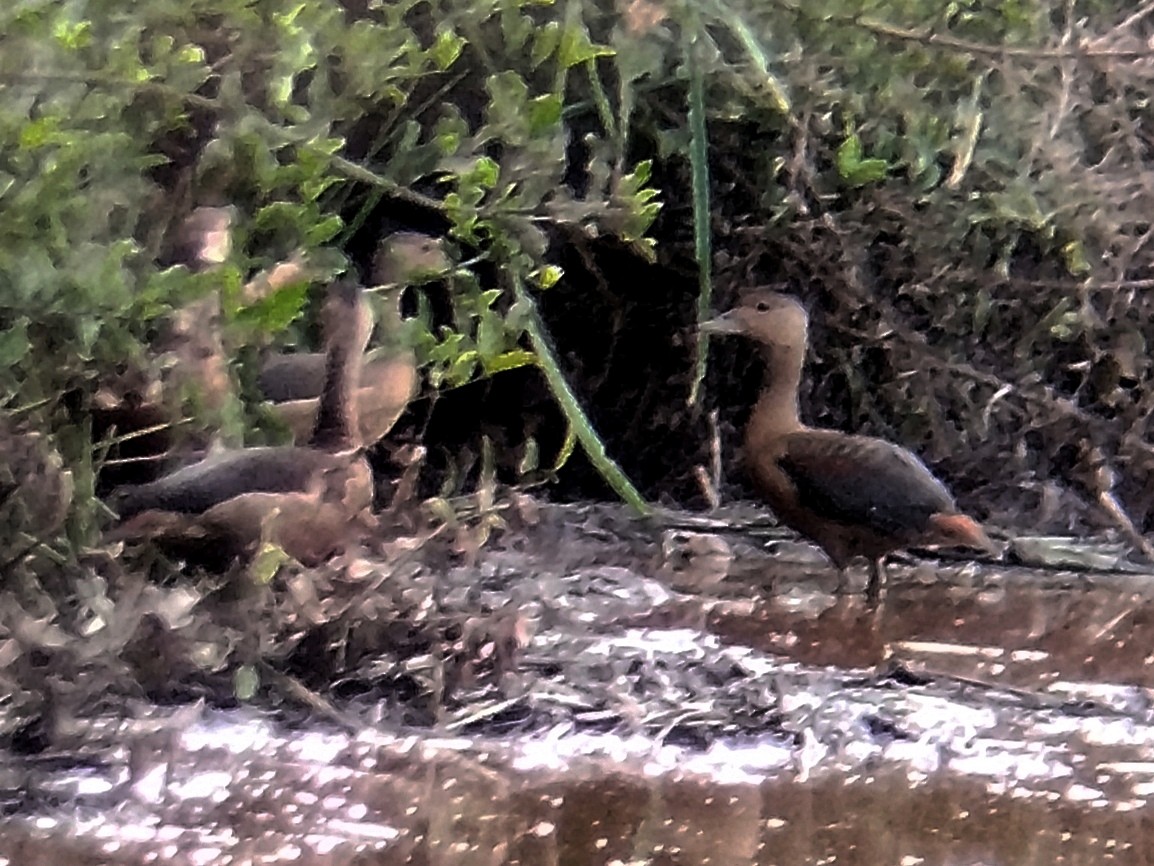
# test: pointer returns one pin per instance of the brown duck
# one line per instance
(294, 383)
(851, 495)
(305, 499)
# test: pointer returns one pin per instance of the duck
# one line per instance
(851, 495)
(134, 410)
(293, 384)
(305, 498)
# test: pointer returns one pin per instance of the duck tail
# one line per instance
(963, 530)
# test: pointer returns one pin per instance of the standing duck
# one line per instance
(305, 498)
(293, 384)
(851, 495)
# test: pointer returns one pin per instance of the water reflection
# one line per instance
(1009, 626)
(976, 716)
(330, 799)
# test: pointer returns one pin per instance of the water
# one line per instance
(978, 715)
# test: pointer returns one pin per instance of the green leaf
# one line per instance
(73, 36)
(190, 54)
(855, 170)
(324, 230)
(462, 368)
(547, 277)
(279, 310)
(544, 114)
(245, 682)
(530, 457)
(576, 47)
(37, 133)
(484, 173)
(487, 298)
(510, 361)
(638, 201)
(490, 336)
(14, 344)
(267, 563)
(849, 154)
(450, 131)
(545, 42)
(446, 49)
(1074, 254)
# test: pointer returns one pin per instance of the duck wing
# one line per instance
(292, 377)
(220, 477)
(863, 481)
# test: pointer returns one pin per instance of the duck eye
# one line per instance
(762, 307)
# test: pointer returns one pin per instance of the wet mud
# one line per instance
(685, 695)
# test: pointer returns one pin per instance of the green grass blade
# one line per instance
(574, 414)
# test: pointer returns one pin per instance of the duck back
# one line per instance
(860, 480)
(220, 477)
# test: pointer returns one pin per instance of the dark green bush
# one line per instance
(974, 172)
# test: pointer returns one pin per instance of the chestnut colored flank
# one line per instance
(303, 498)
(851, 495)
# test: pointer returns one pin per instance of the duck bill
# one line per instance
(726, 323)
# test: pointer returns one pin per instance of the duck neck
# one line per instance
(776, 412)
(337, 427)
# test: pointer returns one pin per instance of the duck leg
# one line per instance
(877, 579)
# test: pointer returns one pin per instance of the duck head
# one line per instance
(770, 318)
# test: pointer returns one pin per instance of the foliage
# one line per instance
(306, 119)
(960, 188)
(962, 193)
(114, 122)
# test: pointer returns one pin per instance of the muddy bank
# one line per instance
(680, 696)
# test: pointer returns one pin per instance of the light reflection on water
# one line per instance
(1038, 749)
(236, 787)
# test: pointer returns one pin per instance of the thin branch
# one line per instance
(1135, 17)
(1037, 394)
(345, 166)
(937, 40)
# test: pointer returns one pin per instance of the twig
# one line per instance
(1110, 505)
(710, 480)
(708, 488)
(1037, 394)
(1135, 17)
(699, 168)
(937, 40)
(143, 431)
(298, 691)
(358, 172)
(19, 556)
(1067, 74)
